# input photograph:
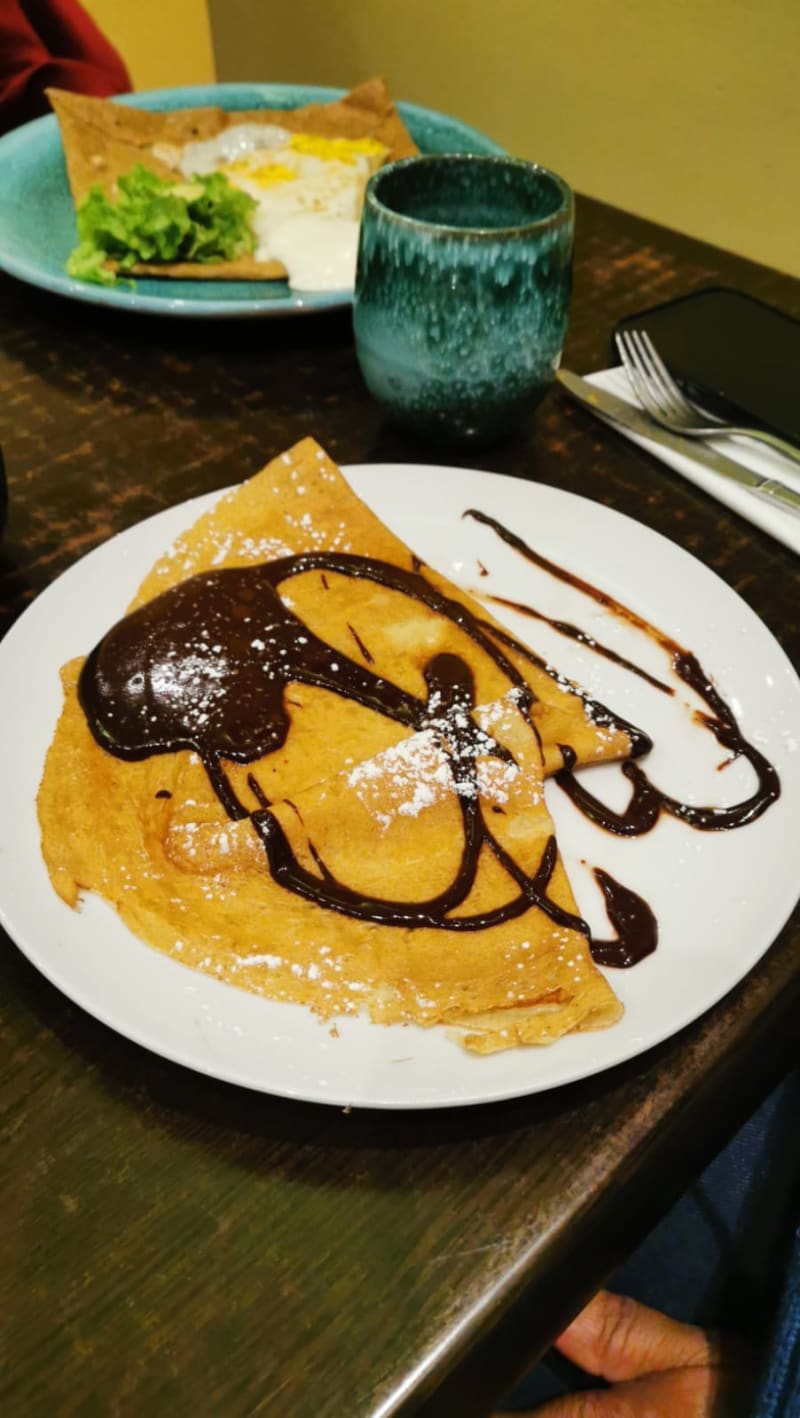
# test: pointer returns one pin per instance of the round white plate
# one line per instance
(720, 898)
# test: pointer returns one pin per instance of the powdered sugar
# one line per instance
(437, 763)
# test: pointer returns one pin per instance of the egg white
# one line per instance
(308, 192)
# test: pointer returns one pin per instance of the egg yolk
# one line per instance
(335, 149)
(266, 174)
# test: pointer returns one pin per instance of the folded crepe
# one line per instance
(104, 140)
(378, 837)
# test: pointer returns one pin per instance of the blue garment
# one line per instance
(719, 1257)
(778, 1393)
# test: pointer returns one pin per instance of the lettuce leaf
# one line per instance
(155, 221)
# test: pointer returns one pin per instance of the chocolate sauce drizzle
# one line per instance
(647, 801)
(370, 659)
(205, 667)
(574, 632)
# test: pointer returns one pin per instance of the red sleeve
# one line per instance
(52, 42)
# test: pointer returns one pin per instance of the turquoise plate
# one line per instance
(37, 219)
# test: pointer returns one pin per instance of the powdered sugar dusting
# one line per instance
(436, 764)
(233, 547)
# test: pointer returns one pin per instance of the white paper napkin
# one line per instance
(774, 520)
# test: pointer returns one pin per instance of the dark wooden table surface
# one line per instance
(172, 1244)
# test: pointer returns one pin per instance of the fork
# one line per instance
(667, 404)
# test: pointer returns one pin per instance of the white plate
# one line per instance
(720, 898)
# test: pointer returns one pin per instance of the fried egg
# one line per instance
(309, 192)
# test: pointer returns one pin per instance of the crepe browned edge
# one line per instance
(104, 140)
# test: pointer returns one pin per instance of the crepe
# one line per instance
(335, 882)
(104, 140)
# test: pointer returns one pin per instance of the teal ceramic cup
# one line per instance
(462, 291)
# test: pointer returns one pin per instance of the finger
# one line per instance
(618, 1338)
(690, 1393)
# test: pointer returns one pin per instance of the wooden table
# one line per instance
(177, 1245)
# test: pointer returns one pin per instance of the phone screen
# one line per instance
(734, 353)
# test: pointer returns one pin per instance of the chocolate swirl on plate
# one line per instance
(647, 801)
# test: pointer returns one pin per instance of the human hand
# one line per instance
(657, 1367)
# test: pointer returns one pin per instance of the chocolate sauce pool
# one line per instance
(632, 919)
(205, 667)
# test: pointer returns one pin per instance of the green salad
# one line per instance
(154, 221)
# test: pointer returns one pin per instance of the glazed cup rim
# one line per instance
(561, 213)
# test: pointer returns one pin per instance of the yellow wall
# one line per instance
(686, 111)
(163, 42)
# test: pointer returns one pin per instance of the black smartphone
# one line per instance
(735, 355)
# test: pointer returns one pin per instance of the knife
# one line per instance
(616, 411)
